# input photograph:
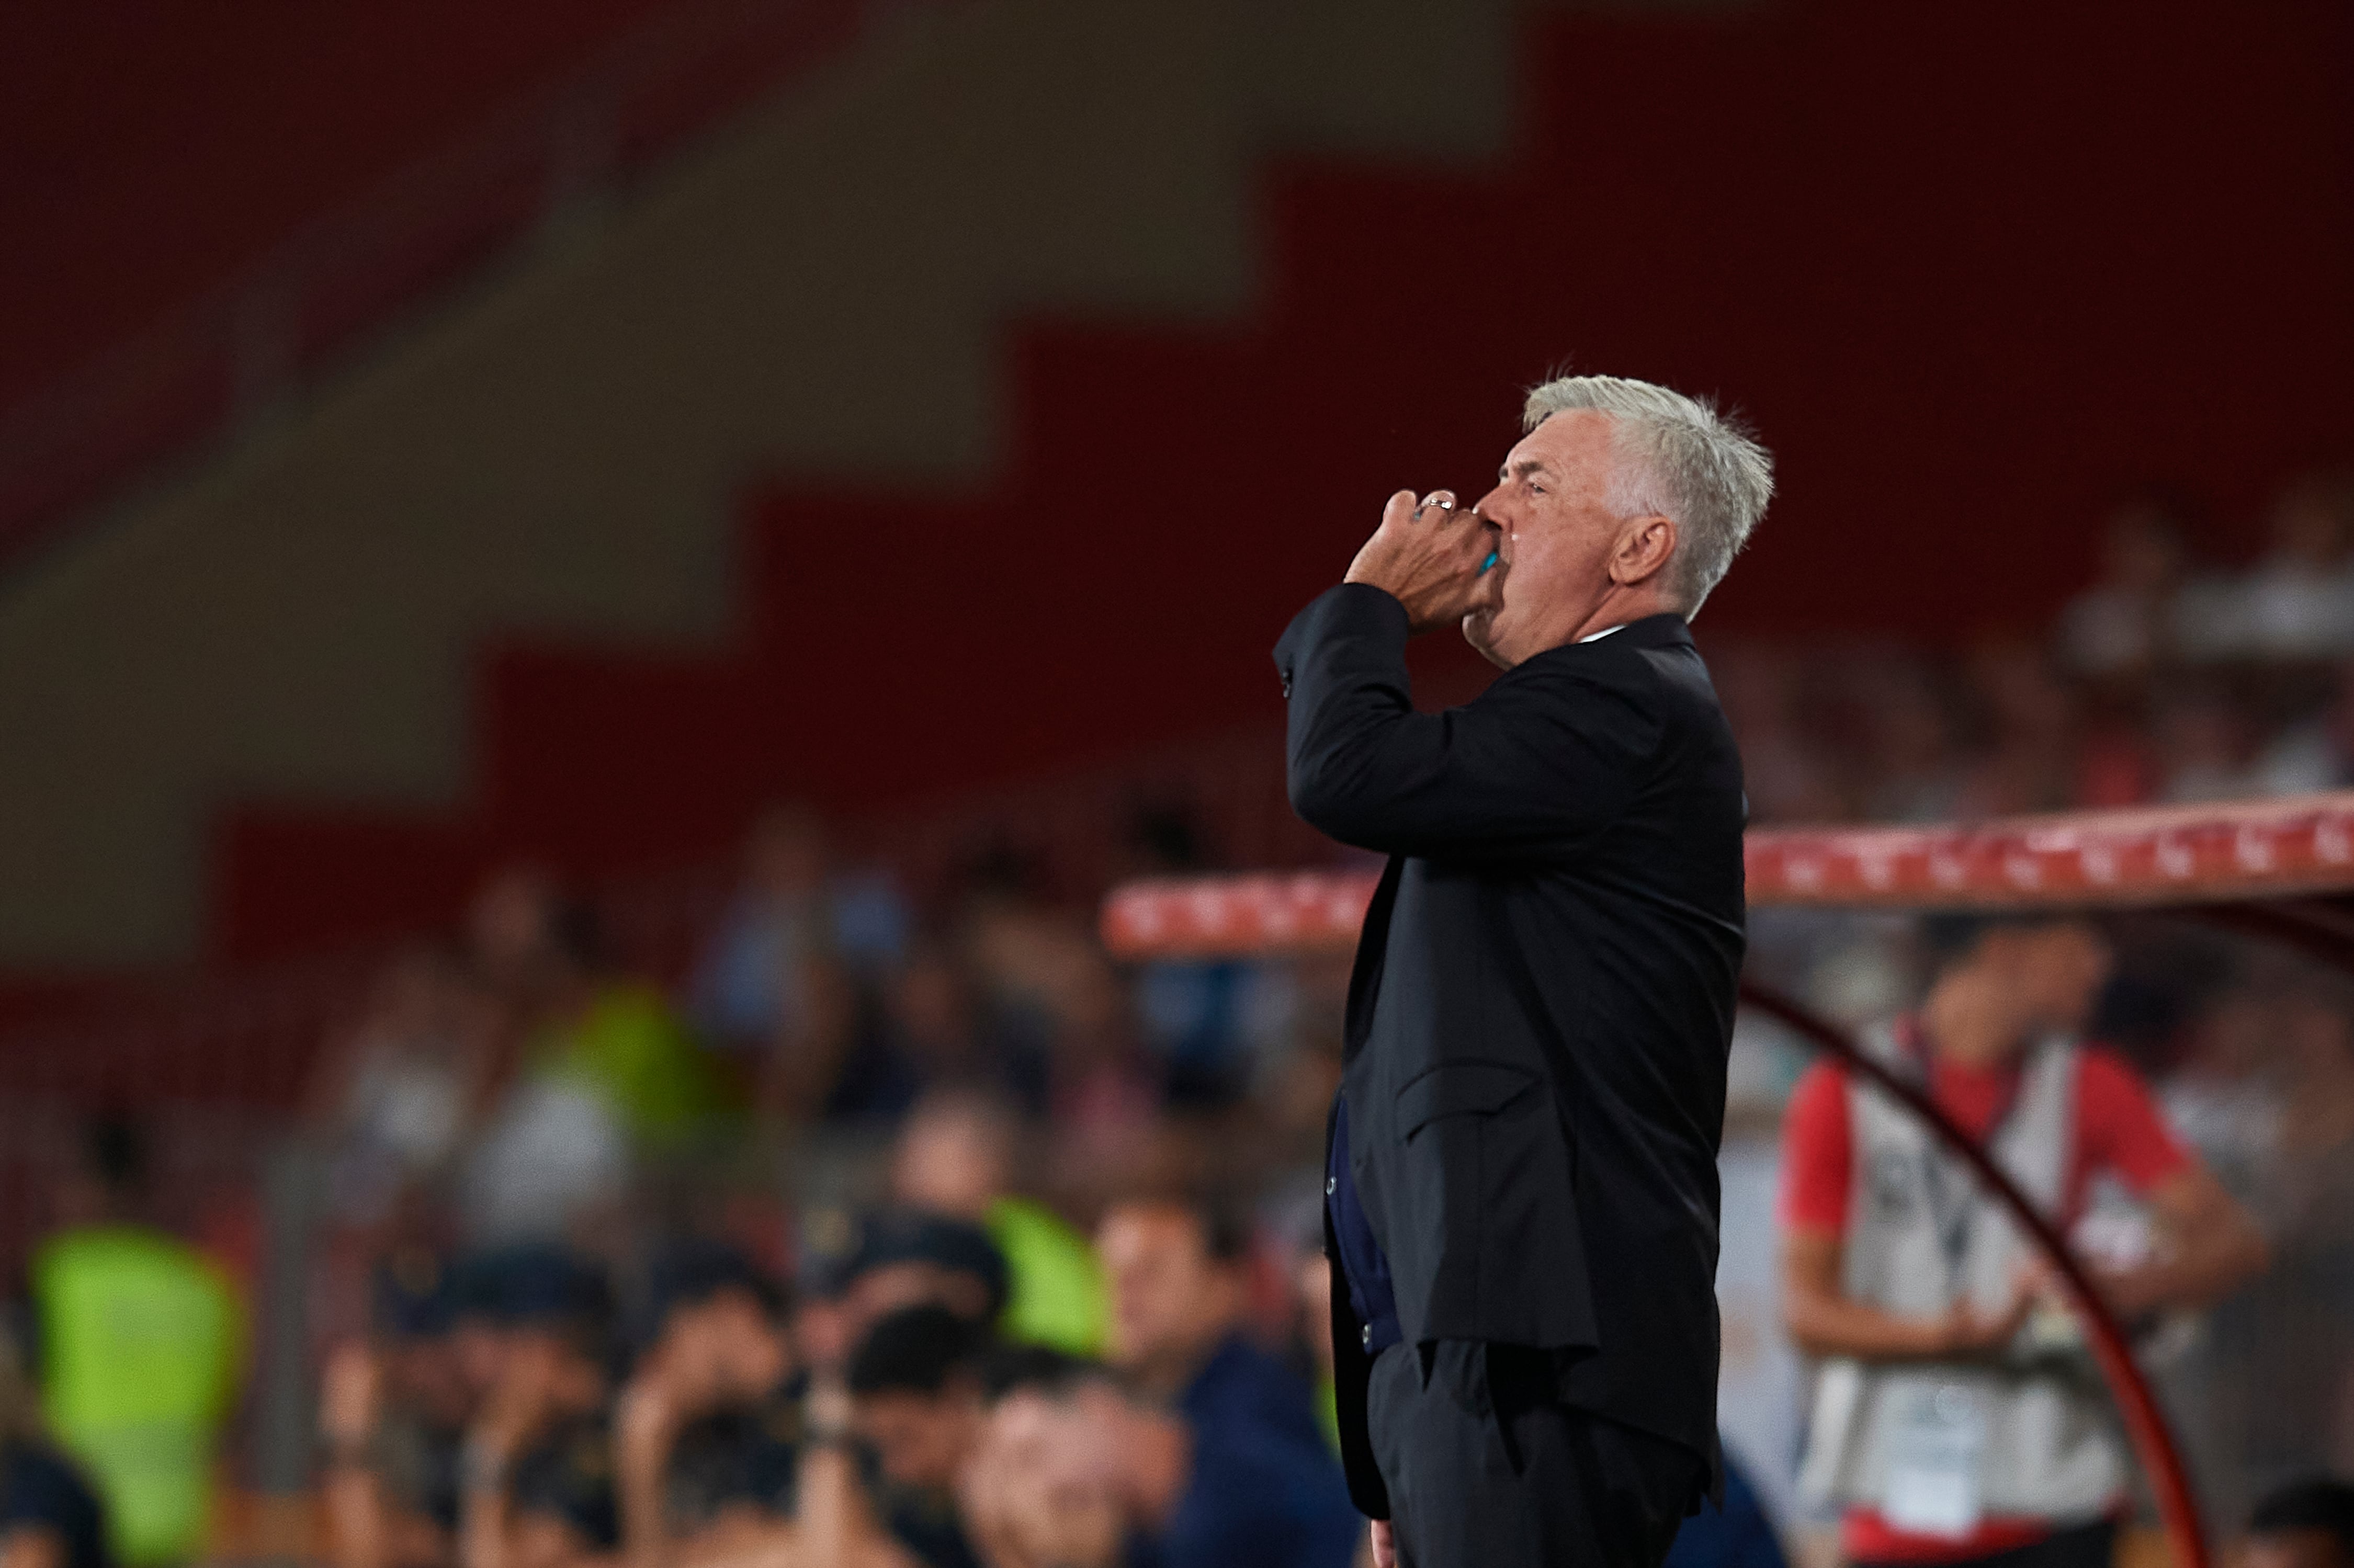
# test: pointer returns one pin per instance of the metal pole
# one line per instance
(284, 1421)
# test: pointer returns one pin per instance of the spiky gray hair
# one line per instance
(1677, 458)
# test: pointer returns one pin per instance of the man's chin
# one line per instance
(1480, 630)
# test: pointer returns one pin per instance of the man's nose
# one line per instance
(1489, 503)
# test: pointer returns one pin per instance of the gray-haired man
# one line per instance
(1522, 1189)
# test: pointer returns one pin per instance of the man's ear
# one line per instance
(1643, 549)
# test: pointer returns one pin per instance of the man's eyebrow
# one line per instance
(1522, 469)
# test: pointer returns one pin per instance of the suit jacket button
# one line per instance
(1365, 1338)
(1332, 1185)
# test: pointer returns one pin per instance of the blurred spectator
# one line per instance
(2298, 603)
(906, 1258)
(915, 1388)
(1207, 1022)
(709, 1427)
(2307, 1524)
(139, 1339)
(397, 1097)
(2303, 1363)
(795, 908)
(50, 1516)
(1075, 1471)
(1178, 1275)
(2127, 623)
(860, 1270)
(1734, 1533)
(955, 1158)
(1048, 981)
(604, 1068)
(2202, 746)
(2314, 750)
(2267, 1092)
(2223, 1096)
(1787, 775)
(393, 1412)
(1947, 1427)
(936, 1029)
(1914, 766)
(925, 1032)
(1193, 1019)
(2317, 1124)
(534, 1338)
(1832, 732)
(2029, 761)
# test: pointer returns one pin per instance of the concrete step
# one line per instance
(821, 292)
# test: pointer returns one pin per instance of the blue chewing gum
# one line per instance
(1489, 562)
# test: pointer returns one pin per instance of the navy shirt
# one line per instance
(41, 1490)
(1257, 1500)
(1363, 1267)
(1242, 1385)
(1734, 1534)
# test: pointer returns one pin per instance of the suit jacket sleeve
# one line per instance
(1545, 758)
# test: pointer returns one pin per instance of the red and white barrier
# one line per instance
(2178, 855)
(2234, 853)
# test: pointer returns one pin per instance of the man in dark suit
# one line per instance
(1521, 1191)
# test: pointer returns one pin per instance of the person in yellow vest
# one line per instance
(605, 1075)
(140, 1343)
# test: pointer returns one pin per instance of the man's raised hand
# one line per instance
(1432, 556)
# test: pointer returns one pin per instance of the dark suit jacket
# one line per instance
(1543, 1000)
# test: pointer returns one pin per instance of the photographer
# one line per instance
(534, 1334)
(709, 1431)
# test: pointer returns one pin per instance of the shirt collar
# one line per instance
(1664, 630)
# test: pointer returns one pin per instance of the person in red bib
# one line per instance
(1958, 1416)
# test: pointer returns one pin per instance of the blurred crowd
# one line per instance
(888, 1234)
(2167, 680)
(522, 1085)
(905, 1228)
